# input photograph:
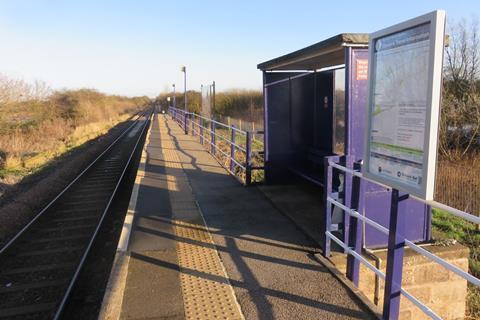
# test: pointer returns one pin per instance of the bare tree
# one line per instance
(17, 90)
(460, 119)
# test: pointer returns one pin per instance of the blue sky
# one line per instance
(137, 47)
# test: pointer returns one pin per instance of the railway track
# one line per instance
(40, 265)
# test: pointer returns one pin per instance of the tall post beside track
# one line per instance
(396, 242)
(355, 231)
(248, 156)
(212, 137)
(232, 149)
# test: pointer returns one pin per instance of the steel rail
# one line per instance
(425, 253)
(357, 215)
(221, 151)
(244, 150)
(238, 164)
(92, 239)
(459, 272)
(415, 301)
(219, 123)
(207, 119)
(38, 215)
(458, 213)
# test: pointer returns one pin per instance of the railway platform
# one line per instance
(198, 245)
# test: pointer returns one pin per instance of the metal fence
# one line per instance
(396, 241)
(252, 126)
(225, 142)
(458, 186)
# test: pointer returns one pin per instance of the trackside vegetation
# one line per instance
(38, 124)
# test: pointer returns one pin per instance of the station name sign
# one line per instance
(405, 75)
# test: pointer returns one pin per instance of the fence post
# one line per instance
(201, 130)
(355, 232)
(232, 149)
(396, 242)
(185, 124)
(192, 120)
(248, 158)
(212, 138)
(253, 131)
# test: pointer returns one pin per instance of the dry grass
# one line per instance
(35, 130)
(473, 303)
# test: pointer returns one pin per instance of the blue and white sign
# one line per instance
(405, 73)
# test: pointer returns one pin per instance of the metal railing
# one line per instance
(396, 243)
(212, 132)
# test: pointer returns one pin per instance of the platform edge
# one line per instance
(111, 308)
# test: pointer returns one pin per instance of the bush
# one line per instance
(240, 104)
(35, 125)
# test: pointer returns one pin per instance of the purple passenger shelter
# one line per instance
(315, 106)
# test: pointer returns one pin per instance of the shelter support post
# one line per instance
(396, 243)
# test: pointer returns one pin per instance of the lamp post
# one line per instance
(184, 70)
(174, 95)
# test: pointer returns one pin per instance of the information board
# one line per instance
(403, 104)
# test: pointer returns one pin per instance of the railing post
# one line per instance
(248, 158)
(232, 149)
(327, 191)
(396, 242)
(347, 198)
(185, 123)
(201, 130)
(355, 232)
(212, 138)
(192, 120)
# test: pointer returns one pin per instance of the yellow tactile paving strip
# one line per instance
(206, 291)
(203, 298)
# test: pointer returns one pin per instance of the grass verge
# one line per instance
(447, 226)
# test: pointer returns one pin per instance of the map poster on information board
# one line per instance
(405, 74)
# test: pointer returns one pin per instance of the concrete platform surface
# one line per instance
(204, 247)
